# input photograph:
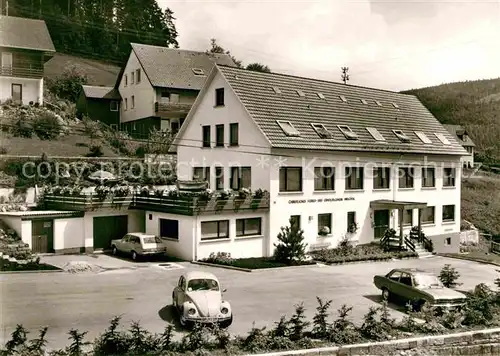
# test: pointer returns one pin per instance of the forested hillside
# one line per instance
(474, 104)
(101, 28)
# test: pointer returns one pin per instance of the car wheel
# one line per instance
(134, 256)
(114, 250)
(226, 323)
(385, 294)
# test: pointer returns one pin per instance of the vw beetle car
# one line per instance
(418, 287)
(198, 299)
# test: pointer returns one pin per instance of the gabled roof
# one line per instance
(173, 68)
(22, 33)
(98, 92)
(396, 112)
(457, 130)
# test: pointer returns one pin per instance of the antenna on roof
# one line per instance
(345, 76)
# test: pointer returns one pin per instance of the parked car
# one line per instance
(138, 244)
(198, 297)
(418, 287)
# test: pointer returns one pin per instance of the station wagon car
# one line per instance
(138, 244)
(198, 299)
(418, 287)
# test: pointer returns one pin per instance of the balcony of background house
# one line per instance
(173, 105)
(21, 65)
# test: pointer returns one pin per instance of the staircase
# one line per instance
(421, 251)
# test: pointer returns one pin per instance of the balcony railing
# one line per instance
(168, 109)
(181, 204)
(23, 72)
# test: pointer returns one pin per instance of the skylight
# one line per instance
(423, 137)
(301, 93)
(198, 71)
(395, 105)
(348, 133)
(375, 134)
(288, 128)
(402, 137)
(378, 103)
(443, 139)
(343, 98)
(277, 90)
(321, 96)
(364, 101)
(322, 131)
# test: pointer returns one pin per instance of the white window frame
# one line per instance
(402, 136)
(290, 134)
(347, 132)
(321, 130)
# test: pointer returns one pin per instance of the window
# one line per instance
(428, 177)
(288, 128)
(165, 95)
(405, 177)
(363, 101)
(405, 279)
(198, 71)
(324, 224)
(126, 80)
(423, 137)
(354, 178)
(448, 177)
(448, 213)
(248, 227)
(447, 241)
(381, 177)
(408, 217)
(322, 131)
(395, 105)
(378, 103)
(351, 219)
(206, 135)
(375, 134)
(241, 177)
(295, 221)
(290, 179)
(219, 135)
(201, 173)
(214, 230)
(219, 178)
(132, 103)
(401, 135)
(395, 276)
(138, 76)
(277, 90)
(348, 133)
(233, 134)
(6, 60)
(343, 98)
(219, 97)
(169, 228)
(132, 77)
(442, 138)
(324, 178)
(113, 106)
(126, 104)
(321, 96)
(301, 93)
(427, 215)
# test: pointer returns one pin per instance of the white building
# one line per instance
(329, 155)
(25, 45)
(463, 137)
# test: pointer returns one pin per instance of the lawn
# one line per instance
(8, 266)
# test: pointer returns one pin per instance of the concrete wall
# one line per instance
(446, 243)
(69, 235)
(32, 89)
(21, 227)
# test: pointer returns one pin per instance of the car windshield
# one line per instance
(427, 281)
(203, 284)
(151, 240)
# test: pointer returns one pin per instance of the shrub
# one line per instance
(112, 341)
(221, 258)
(256, 340)
(320, 319)
(448, 276)
(345, 246)
(95, 151)
(91, 128)
(68, 85)
(375, 327)
(298, 322)
(343, 331)
(281, 328)
(291, 246)
(22, 128)
(3, 150)
(47, 126)
(479, 307)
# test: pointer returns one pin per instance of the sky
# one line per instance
(393, 45)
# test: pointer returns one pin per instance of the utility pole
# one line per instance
(7, 8)
(345, 76)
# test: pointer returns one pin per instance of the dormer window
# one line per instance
(322, 131)
(198, 71)
(288, 128)
(277, 90)
(301, 93)
(442, 138)
(348, 133)
(321, 96)
(375, 134)
(343, 98)
(423, 137)
(395, 105)
(401, 135)
(363, 101)
(378, 103)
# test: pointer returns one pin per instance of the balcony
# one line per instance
(85, 202)
(22, 72)
(170, 110)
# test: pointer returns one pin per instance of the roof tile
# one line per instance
(22, 33)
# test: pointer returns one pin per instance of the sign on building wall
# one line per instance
(326, 200)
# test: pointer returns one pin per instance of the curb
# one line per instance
(34, 271)
(248, 269)
(404, 344)
(368, 261)
(471, 259)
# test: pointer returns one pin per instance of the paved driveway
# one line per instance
(88, 301)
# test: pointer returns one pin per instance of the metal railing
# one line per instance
(24, 72)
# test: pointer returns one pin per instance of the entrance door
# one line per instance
(42, 238)
(17, 93)
(107, 228)
(380, 223)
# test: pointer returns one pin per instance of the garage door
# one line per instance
(107, 228)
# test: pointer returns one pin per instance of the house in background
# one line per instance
(158, 86)
(25, 45)
(460, 133)
(99, 103)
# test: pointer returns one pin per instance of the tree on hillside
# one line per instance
(215, 48)
(257, 67)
